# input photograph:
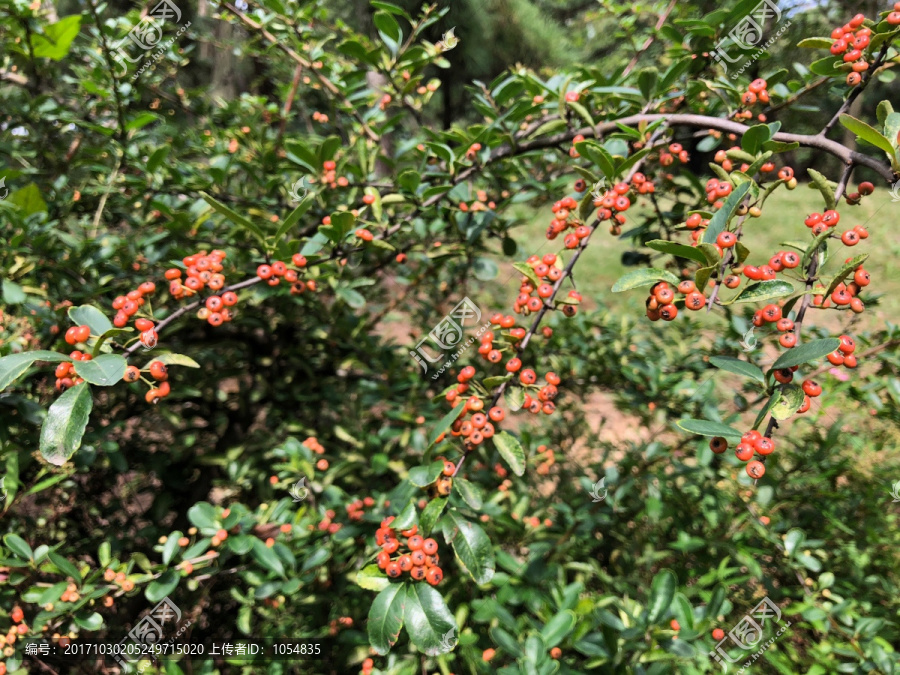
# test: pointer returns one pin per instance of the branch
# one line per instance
(649, 41)
(328, 84)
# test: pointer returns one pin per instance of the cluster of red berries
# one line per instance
(472, 152)
(772, 314)
(675, 150)
(548, 459)
(543, 401)
(312, 443)
(843, 355)
(845, 294)
(613, 204)
(481, 203)
(479, 426)
(276, 271)
(752, 443)
(421, 560)
(128, 305)
(661, 301)
(204, 271)
(548, 270)
(322, 118)
(756, 91)
(327, 523)
(66, 377)
(717, 190)
(721, 157)
(560, 223)
(329, 175)
(357, 508)
(851, 40)
(159, 372)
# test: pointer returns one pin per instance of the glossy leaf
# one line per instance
(708, 428)
(428, 620)
(386, 617)
(810, 351)
(471, 545)
(65, 423)
(12, 366)
(511, 451)
(643, 277)
(105, 371)
(738, 367)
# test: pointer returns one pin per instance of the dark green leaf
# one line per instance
(511, 451)
(235, 218)
(105, 371)
(680, 250)
(643, 277)
(762, 290)
(662, 590)
(432, 512)
(446, 422)
(428, 620)
(386, 617)
(738, 367)
(471, 545)
(161, 587)
(707, 428)
(12, 366)
(805, 353)
(87, 315)
(19, 546)
(65, 423)
(266, 557)
(719, 222)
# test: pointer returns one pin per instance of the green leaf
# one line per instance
(707, 428)
(141, 121)
(738, 367)
(267, 557)
(680, 250)
(780, 146)
(827, 66)
(471, 545)
(845, 270)
(762, 290)
(90, 622)
(528, 271)
(805, 353)
(29, 200)
(824, 186)
(662, 590)
(425, 475)
(203, 516)
(88, 315)
(598, 155)
(235, 218)
(56, 39)
(470, 493)
(428, 620)
(64, 566)
(65, 423)
(514, 397)
(372, 578)
(719, 222)
(485, 269)
(511, 450)
(557, 628)
(13, 293)
(582, 111)
(764, 411)
(446, 422)
(407, 518)
(105, 371)
(386, 617)
(632, 160)
(506, 642)
(869, 134)
(171, 547)
(12, 366)
(793, 539)
(816, 43)
(352, 297)
(788, 403)
(19, 546)
(389, 30)
(432, 512)
(643, 277)
(294, 217)
(161, 587)
(171, 359)
(753, 139)
(647, 80)
(703, 275)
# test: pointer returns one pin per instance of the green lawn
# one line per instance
(782, 220)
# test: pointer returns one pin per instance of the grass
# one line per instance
(782, 220)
